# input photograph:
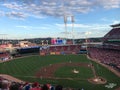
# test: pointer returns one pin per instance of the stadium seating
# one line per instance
(60, 49)
(107, 56)
(110, 52)
(4, 56)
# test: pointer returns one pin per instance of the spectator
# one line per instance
(27, 86)
(14, 86)
(36, 86)
(5, 85)
(58, 87)
(45, 87)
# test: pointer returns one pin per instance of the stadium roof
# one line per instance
(115, 25)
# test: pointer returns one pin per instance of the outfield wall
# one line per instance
(60, 49)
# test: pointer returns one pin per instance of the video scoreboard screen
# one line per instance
(58, 41)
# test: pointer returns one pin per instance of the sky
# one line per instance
(21, 19)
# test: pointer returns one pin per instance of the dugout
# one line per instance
(83, 51)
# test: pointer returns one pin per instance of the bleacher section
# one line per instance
(106, 56)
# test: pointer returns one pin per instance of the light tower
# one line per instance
(65, 22)
(3, 37)
(72, 20)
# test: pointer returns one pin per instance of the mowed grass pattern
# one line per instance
(29, 65)
(25, 69)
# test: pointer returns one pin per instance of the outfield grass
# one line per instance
(25, 69)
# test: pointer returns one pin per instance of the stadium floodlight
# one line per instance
(47, 42)
(86, 40)
(71, 17)
(42, 42)
(65, 19)
(72, 20)
(3, 37)
(65, 22)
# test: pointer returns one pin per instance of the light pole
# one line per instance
(3, 38)
(42, 42)
(65, 22)
(87, 33)
(47, 42)
(72, 20)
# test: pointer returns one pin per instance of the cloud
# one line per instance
(88, 33)
(66, 33)
(33, 27)
(105, 19)
(1, 13)
(22, 27)
(109, 4)
(85, 26)
(83, 30)
(13, 5)
(14, 14)
(116, 21)
(55, 8)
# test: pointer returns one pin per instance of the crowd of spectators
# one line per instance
(109, 57)
(9, 85)
(4, 56)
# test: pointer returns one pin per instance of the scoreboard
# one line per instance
(55, 41)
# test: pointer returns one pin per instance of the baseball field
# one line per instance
(68, 70)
